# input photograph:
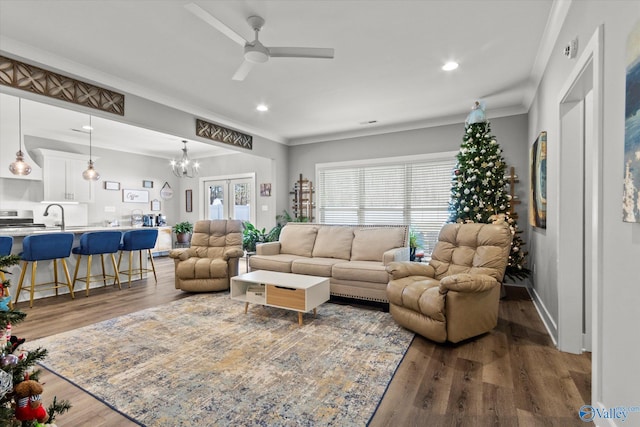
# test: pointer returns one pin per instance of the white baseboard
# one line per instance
(545, 316)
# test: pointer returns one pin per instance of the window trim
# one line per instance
(375, 162)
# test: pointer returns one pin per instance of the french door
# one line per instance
(229, 198)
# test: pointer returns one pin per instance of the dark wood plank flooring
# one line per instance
(512, 376)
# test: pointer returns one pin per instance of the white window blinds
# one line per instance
(413, 192)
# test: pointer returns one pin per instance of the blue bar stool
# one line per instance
(6, 243)
(43, 247)
(97, 243)
(138, 240)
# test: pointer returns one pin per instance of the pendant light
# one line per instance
(20, 167)
(185, 168)
(90, 174)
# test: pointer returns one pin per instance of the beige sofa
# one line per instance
(456, 295)
(354, 257)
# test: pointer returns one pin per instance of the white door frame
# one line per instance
(586, 75)
(204, 212)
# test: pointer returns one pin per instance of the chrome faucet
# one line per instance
(46, 213)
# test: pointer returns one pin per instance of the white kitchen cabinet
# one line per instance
(62, 177)
(10, 140)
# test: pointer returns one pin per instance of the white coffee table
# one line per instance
(297, 292)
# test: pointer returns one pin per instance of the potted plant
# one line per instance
(252, 236)
(183, 231)
(415, 242)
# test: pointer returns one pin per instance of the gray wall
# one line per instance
(615, 373)
(510, 132)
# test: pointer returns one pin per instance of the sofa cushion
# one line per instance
(201, 268)
(333, 242)
(280, 262)
(369, 244)
(362, 271)
(314, 266)
(298, 240)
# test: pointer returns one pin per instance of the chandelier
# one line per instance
(185, 167)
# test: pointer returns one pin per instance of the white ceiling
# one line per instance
(387, 66)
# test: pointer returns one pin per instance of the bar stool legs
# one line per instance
(56, 283)
(139, 270)
(96, 278)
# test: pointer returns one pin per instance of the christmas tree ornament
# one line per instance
(9, 360)
(6, 383)
(29, 404)
(4, 302)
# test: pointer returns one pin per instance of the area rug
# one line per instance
(202, 361)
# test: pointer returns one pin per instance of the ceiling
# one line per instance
(387, 65)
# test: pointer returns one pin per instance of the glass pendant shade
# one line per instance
(185, 167)
(90, 174)
(19, 166)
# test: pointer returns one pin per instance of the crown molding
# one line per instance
(402, 127)
(557, 16)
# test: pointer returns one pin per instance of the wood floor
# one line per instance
(510, 377)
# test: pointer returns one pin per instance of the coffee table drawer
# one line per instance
(286, 297)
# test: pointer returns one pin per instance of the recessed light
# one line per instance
(450, 66)
(262, 108)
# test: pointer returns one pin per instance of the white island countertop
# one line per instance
(27, 231)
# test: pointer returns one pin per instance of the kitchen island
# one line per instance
(45, 268)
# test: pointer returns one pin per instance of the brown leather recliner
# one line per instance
(456, 295)
(212, 259)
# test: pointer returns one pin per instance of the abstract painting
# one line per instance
(538, 182)
(631, 190)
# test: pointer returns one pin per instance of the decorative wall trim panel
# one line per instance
(222, 134)
(43, 82)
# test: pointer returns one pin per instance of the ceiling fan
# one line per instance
(254, 51)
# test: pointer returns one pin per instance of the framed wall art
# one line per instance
(147, 184)
(155, 205)
(631, 184)
(265, 190)
(538, 182)
(135, 196)
(188, 197)
(111, 185)
(166, 192)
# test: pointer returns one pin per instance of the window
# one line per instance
(409, 190)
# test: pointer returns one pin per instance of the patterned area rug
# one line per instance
(202, 361)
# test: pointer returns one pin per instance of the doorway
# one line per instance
(230, 197)
(579, 236)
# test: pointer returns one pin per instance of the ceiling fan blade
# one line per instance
(300, 52)
(242, 72)
(215, 23)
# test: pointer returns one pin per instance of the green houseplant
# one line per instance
(183, 231)
(415, 242)
(252, 236)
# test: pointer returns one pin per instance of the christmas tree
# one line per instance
(478, 192)
(19, 388)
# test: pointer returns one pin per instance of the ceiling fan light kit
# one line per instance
(254, 51)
